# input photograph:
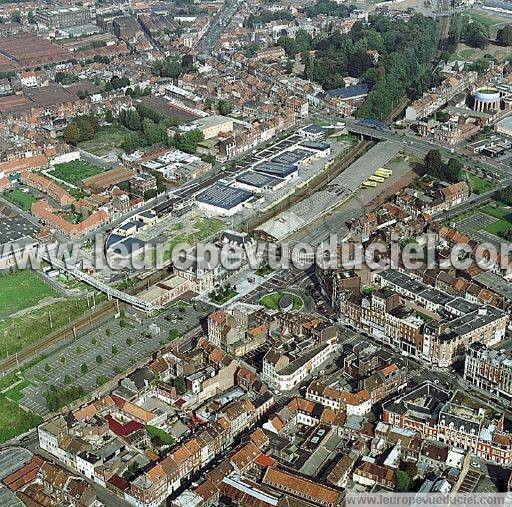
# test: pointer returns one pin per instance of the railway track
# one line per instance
(105, 309)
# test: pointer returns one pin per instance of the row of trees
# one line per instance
(465, 29)
(329, 8)
(435, 167)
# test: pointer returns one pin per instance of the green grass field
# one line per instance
(485, 19)
(271, 301)
(503, 215)
(107, 139)
(14, 420)
(479, 185)
(74, 172)
(16, 394)
(20, 290)
(17, 333)
(21, 199)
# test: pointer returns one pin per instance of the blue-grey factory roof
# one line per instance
(258, 180)
(314, 145)
(291, 157)
(223, 196)
(274, 169)
(314, 129)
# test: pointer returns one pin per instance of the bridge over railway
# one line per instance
(101, 286)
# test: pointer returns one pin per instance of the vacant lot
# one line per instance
(487, 19)
(20, 199)
(22, 290)
(16, 333)
(14, 420)
(107, 139)
(74, 172)
(479, 185)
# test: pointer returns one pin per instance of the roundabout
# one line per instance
(282, 301)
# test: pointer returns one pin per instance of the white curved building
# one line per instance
(487, 99)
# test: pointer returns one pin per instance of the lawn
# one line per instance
(208, 227)
(107, 139)
(485, 19)
(14, 420)
(21, 199)
(271, 301)
(16, 333)
(20, 290)
(16, 393)
(479, 185)
(75, 171)
(503, 215)
(159, 437)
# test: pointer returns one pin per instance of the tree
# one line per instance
(504, 36)
(131, 142)
(68, 379)
(404, 482)
(129, 341)
(84, 368)
(433, 162)
(16, 17)
(115, 350)
(149, 194)
(225, 107)
(71, 134)
(475, 34)
(453, 171)
(188, 141)
(505, 195)
(99, 359)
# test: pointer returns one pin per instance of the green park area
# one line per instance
(271, 301)
(106, 139)
(21, 290)
(22, 200)
(479, 185)
(75, 171)
(485, 19)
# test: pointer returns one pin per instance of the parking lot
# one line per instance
(474, 226)
(13, 226)
(68, 361)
